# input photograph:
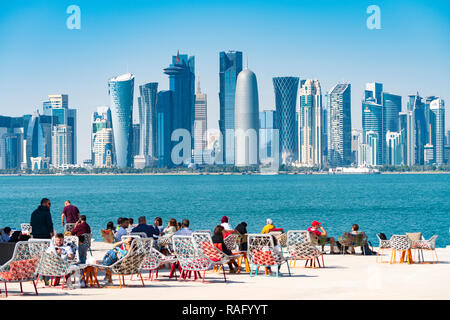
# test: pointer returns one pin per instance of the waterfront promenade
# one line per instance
(345, 277)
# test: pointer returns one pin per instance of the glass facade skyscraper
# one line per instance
(340, 125)
(420, 130)
(392, 106)
(121, 91)
(438, 130)
(372, 121)
(102, 143)
(310, 129)
(164, 110)
(267, 124)
(286, 89)
(230, 65)
(182, 83)
(147, 120)
(200, 125)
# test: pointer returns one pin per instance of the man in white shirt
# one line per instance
(64, 251)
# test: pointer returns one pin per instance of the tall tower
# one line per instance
(392, 106)
(285, 101)
(121, 91)
(200, 124)
(182, 83)
(246, 120)
(340, 123)
(230, 66)
(310, 124)
(437, 109)
(102, 143)
(372, 122)
(147, 120)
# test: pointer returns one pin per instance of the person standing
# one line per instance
(41, 221)
(71, 213)
(81, 227)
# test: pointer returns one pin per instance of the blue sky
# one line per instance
(323, 39)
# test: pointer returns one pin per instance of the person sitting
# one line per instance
(124, 224)
(119, 250)
(184, 231)
(4, 237)
(81, 227)
(158, 223)
(171, 228)
(149, 230)
(110, 226)
(241, 230)
(217, 238)
(65, 252)
(317, 229)
(225, 223)
(269, 225)
(355, 231)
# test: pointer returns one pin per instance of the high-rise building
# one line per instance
(267, 125)
(136, 145)
(403, 130)
(230, 66)
(121, 91)
(200, 125)
(285, 101)
(372, 120)
(61, 145)
(420, 130)
(246, 119)
(374, 90)
(437, 109)
(392, 106)
(182, 83)
(340, 125)
(356, 145)
(394, 148)
(56, 108)
(368, 153)
(310, 131)
(102, 142)
(164, 110)
(147, 121)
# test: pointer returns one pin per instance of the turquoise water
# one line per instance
(393, 204)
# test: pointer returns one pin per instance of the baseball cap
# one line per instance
(316, 223)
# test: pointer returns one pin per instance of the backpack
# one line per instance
(110, 257)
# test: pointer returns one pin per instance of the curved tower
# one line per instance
(285, 101)
(121, 90)
(246, 119)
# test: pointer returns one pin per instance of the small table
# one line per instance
(243, 257)
(90, 274)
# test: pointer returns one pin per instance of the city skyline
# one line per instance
(89, 63)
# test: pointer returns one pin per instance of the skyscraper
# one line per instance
(340, 124)
(182, 83)
(285, 102)
(121, 90)
(57, 109)
(200, 125)
(246, 119)
(164, 110)
(392, 106)
(62, 145)
(147, 120)
(437, 109)
(267, 125)
(102, 141)
(374, 90)
(310, 131)
(230, 66)
(420, 129)
(372, 120)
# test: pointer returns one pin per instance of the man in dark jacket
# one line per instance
(149, 230)
(41, 221)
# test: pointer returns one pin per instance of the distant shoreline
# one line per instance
(216, 174)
